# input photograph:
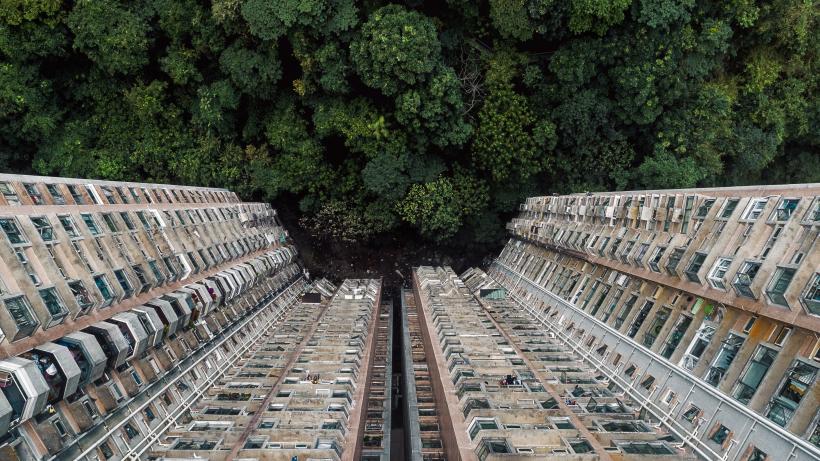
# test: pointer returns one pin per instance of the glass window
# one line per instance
(81, 295)
(785, 209)
(109, 194)
(122, 279)
(105, 289)
(674, 260)
(656, 257)
(785, 402)
(756, 455)
(724, 358)
(779, 284)
(54, 304)
(156, 271)
(9, 194)
(754, 374)
(34, 193)
(691, 413)
(811, 297)
(704, 208)
(109, 221)
(640, 318)
(755, 208)
(75, 194)
(90, 223)
(694, 267)
(127, 220)
(718, 272)
(23, 316)
(141, 278)
(480, 424)
(145, 223)
(93, 194)
(68, 225)
(43, 228)
(12, 230)
(56, 196)
(744, 278)
(720, 435)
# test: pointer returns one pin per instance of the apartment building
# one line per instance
(507, 389)
(702, 304)
(304, 391)
(119, 303)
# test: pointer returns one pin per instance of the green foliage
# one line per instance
(437, 208)
(434, 117)
(111, 35)
(395, 49)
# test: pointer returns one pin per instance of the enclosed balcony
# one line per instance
(57, 367)
(6, 414)
(219, 288)
(131, 328)
(112, 342)
(24, 388)
(179, 302)
(152, 324)
(87, 353)
(166, 314)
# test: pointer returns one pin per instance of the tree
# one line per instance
(395, 49)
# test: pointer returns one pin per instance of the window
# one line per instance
(640, 318)
(785, 402)
(76, 195)
(480, 424)
(141, 278)
(755, 208)
(691, 413)
(749, 324)
(724, 358)
(81, 295)
(785, 209)
(718, 272)
(122, 279)
(656, 257)
(687, 214)
(654, 330)
(755, 372)
(56, 196)
(33, 193)
(43, 228)
(694, 267)
(68, 225)
(90, 223)
(744, 278)
(109, 194)
(720, 435)
(54, 305)
(729, 208)
(109, 221)
(755, 454)
(135, 195)
(143, 220)
(779, 284)
(811, 296)
(12, 230)
(9, 194)
(105, 289)
(23, 316)
(127, 220)
(704, 208)
(674, 260)
(93, 194)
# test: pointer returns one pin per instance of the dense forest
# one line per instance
(436, 116)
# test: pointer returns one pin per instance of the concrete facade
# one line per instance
(113, 291)
(712, 293)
